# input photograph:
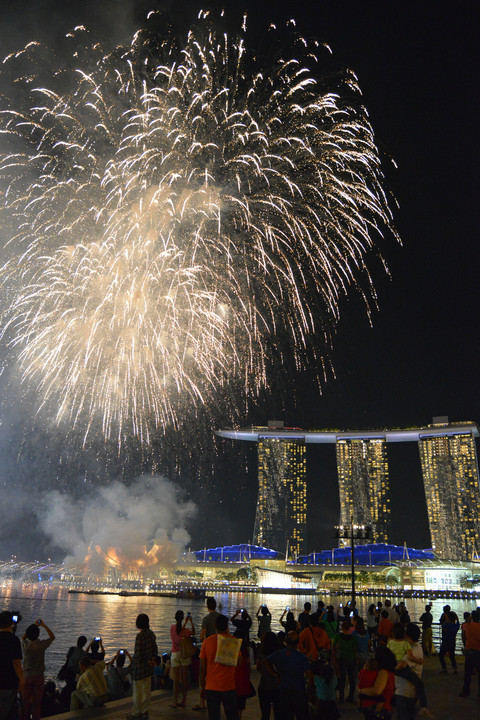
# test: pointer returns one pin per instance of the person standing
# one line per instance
(142, 667)
(11, 671)
(346, 652)
(242, 623)
(304, 617)
(208, 622)
(427, 635)
(34, 668)
(292, 670)
(450, 628)
(217, 681)
(208, 628)
(264, 621)
(472, 652)
(180, 665)
(313, 640)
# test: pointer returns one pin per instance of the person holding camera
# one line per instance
(34, 668)
(11, 671)
(118, 683)
(95, 650)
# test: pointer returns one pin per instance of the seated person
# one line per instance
(161, 672)
(91, 686)
(95, 650)
(118, 683)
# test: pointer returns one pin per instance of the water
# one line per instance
(113, 617)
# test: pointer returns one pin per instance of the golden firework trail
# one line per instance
(169, 210)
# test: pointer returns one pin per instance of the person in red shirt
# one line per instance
(312, 639)
(385, 627)
(217, 681)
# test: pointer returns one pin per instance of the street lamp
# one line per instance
(353, 532)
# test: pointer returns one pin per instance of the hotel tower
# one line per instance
(450, 476)
(281, 517)
(363, 485)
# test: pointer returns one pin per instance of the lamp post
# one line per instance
(353, 532)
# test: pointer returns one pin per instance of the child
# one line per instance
(325, 682)
(398, 644)
(410, 667)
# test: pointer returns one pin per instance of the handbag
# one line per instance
(228, 649)
(187, 647)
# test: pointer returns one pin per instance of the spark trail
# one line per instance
(169, 211)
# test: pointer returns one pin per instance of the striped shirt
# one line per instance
(92, 680)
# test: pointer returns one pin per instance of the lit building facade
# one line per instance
(363, 485)
(450, 476)
(281, 517)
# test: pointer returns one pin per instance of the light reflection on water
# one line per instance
(113, 617)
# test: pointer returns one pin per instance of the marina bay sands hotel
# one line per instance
(450, 476)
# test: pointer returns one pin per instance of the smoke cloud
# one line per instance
(131, 527)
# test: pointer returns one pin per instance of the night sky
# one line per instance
(417, 66)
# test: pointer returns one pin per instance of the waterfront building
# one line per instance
(450, 475)
(281, 516)
(363, 485)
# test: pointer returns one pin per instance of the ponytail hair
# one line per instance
(179, 618)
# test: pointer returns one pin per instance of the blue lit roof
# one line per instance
(370, 554)
(236, 553)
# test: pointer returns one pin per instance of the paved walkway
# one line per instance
(442, 693)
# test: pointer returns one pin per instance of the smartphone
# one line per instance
(15, 618)
(341, 605)
(39, 622)
(121, 652)
(287, 608)
(189, 614)
(98, 638)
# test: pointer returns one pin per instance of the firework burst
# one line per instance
(170, 210)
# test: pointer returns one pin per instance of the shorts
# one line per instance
(176, 660)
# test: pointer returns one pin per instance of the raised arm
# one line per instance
(49, 632)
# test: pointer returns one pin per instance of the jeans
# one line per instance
(293, 704)
(217, 698)
(269, 699)
(347, 667)
(447, 648)
(405, 707)
(472, 660)
(32, 697)
(7, 704)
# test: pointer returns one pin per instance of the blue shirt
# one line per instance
(291, 665)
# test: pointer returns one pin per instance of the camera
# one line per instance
(97, 638)
(287, 608)
(189, 614)
(121, 652)
(39, 622)
(15, 618)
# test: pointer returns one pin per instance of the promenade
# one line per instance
(442, 693)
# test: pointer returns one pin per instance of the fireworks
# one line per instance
(170, 213)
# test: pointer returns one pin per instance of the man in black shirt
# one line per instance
(11, 671)
(427, 634)
(304, 617)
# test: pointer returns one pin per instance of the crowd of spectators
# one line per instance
(314, 664)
